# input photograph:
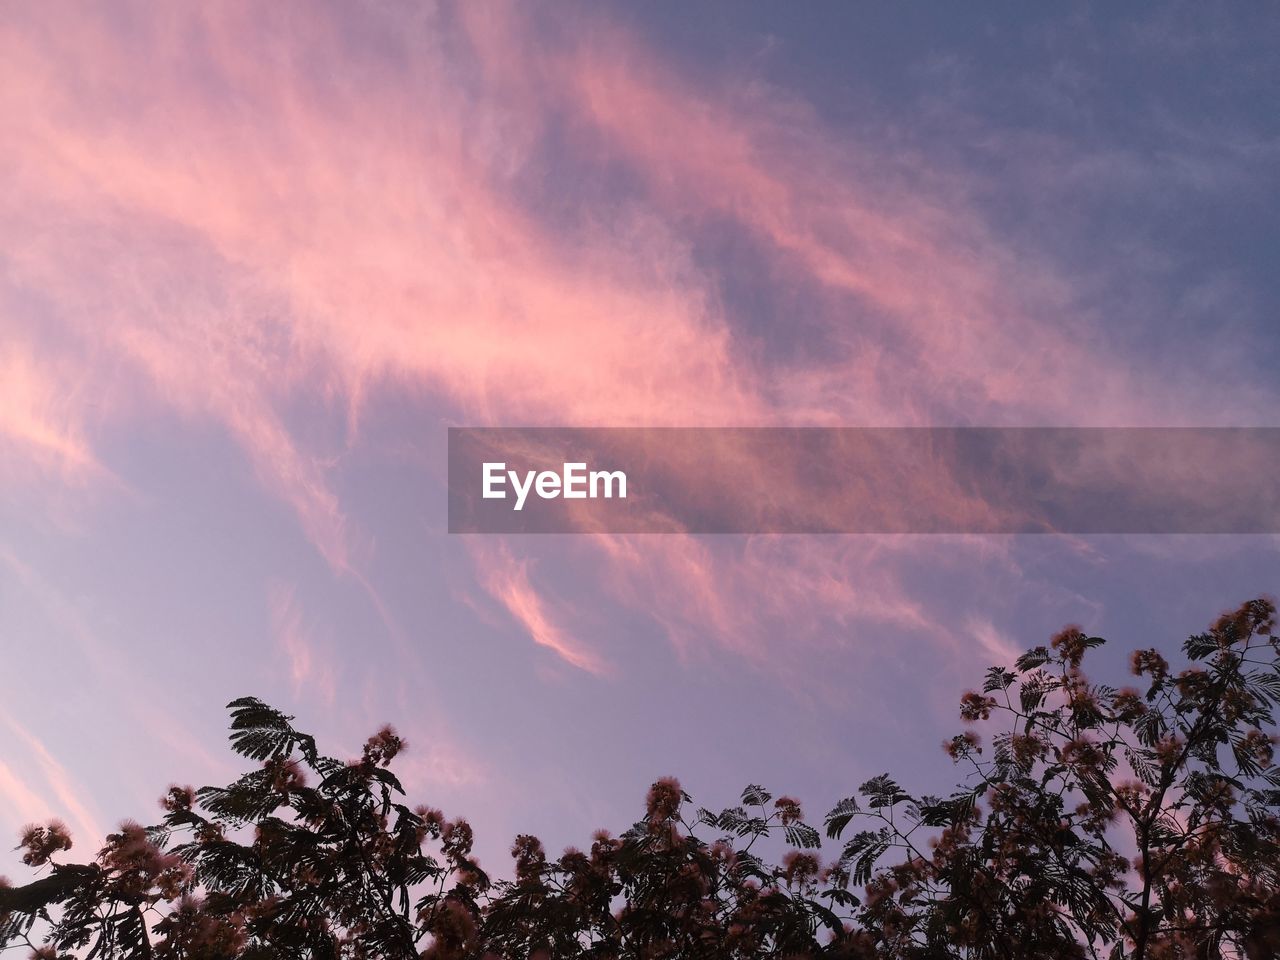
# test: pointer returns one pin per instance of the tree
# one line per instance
(1119, 822)
(1133, 822)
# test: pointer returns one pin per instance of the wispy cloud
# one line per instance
(24, 801)
(68, 795)
(275, 248)
(40, 418)
(114, 668)
(507, 580)
(309, 669)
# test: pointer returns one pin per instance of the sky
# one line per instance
(256, 259)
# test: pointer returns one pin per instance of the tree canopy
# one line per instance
(1135, 821)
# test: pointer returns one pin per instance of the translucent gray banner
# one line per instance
(864, 480)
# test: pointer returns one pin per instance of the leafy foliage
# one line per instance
(1095, 822)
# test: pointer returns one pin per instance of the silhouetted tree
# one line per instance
(1132, 822)
(1139, 822)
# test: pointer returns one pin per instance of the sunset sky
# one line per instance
(256, 259)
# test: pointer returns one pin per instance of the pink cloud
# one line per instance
(995, 645)
(113, 665)
(235, 235)
(66, 792)
(25, 802)
(40, 418)
(507, 580)
(308, 668)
